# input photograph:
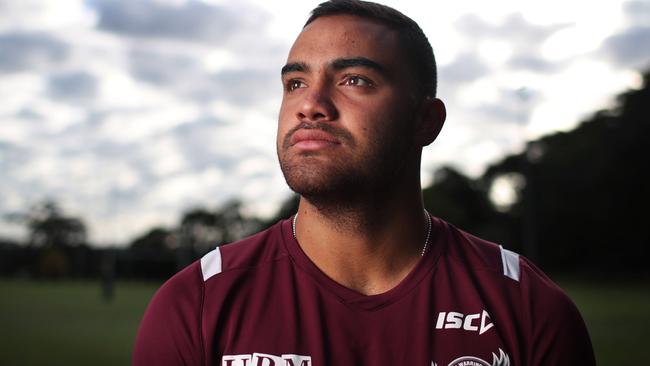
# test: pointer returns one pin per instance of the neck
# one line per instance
(367, 246)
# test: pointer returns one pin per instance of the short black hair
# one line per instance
(418, 51)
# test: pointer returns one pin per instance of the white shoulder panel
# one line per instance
(510, 261)
(211, 264)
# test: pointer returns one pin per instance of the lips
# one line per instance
(311, 139)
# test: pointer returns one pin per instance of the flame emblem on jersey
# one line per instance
(501, 360)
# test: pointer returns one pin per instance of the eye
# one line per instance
(294, 84)
(356, 80)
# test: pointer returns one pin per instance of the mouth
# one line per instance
(312, 139)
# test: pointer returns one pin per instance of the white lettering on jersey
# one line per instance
(469, 322)
(263, 359)
(236, 360)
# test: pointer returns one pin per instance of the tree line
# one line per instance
(580, 205)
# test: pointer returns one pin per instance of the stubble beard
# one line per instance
(322, 183)
(338, 182)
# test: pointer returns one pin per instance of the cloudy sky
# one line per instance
(128, 112)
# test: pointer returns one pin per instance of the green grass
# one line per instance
(618, 319)
(68, 323)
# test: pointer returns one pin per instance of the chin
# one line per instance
(339, 179)
(317, 180)
(308, 182)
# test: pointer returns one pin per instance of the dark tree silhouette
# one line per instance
(464, 202)
(202, 229)
(156, 240)
(458, 199)
(287, 209)
(49, 227)
(588, 190)
(58, 241)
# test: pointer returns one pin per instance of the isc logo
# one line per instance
(473, 322)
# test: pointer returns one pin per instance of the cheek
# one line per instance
(391, 133)
(283, 106)
(284, 122)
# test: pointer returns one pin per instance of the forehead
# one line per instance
(331, 37)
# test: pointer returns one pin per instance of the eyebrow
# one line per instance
(344, 63)
(338, 64)
(294, 67)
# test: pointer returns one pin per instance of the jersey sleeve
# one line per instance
(170, 331)
(559, 335)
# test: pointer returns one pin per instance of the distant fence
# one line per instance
(86, 262)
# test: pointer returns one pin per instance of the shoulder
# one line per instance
(479, 255)
(550, 321)
(171, 329)
(258, 250)
(187, 286)
(556, 326)
(169, 332)
(493, 264)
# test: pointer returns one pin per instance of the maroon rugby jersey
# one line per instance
(262, 302)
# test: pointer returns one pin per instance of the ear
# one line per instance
(432, 118)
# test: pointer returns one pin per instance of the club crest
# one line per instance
(501, 360)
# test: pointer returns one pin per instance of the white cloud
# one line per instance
(17, 90)
(575, 94)
(45, 15)
(128, 112)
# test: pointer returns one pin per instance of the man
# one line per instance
(362, 274)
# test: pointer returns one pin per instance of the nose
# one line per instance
(317, 106)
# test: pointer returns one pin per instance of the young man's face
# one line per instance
(346, 123)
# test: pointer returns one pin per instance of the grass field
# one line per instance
(67, 323)
(618, 319)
